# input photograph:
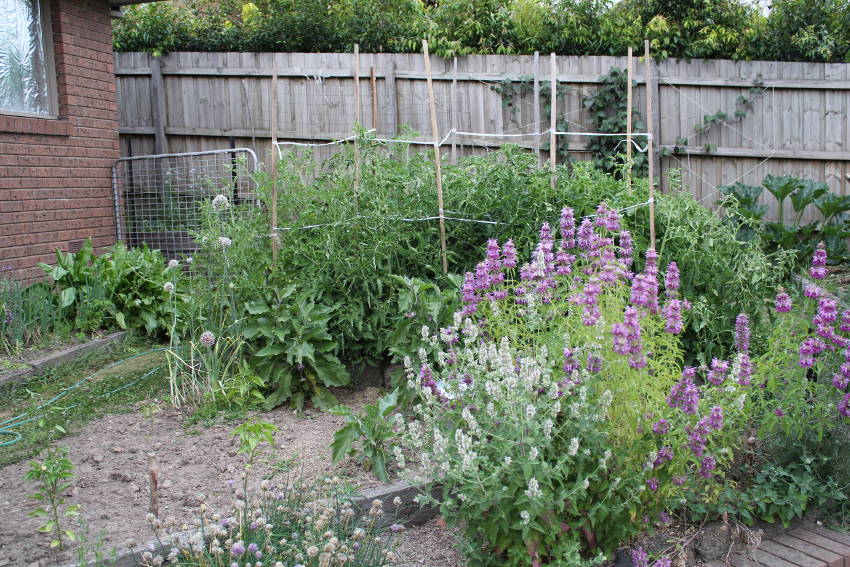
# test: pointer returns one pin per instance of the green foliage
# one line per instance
(52, 476)
(29, 314)
(292, 350)
(122, 287)
(608, 109)
(721, 275)
(793, 30)
(743, 207)
(251, 435)
(745, 105)
(373, 428)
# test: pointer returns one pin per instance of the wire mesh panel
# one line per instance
(158, 197)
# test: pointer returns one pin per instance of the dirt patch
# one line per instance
(429, 545)
(111, 463)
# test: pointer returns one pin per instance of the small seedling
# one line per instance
(52, 475)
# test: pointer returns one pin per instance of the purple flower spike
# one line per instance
(672, 279)
(661, 427)
(568, 228)
(746, 370)
(844, 405)
(707, 465)
(585, 234)
(652, 483)
(626, 248)
(818, 270)
(742, 333)
(718, 372)
(509, 254)
(640, 558)
(684, 395)
(783, 302)
(812, 291)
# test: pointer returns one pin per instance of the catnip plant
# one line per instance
(556, 414)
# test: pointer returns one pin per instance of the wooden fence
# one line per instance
(199, 101)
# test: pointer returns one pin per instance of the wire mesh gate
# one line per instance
(158, 198)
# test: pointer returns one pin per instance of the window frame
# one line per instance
(45, 14)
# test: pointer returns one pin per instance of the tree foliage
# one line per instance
(792, 30)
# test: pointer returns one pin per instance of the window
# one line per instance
(27, 77)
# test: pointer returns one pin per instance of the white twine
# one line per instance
(454, 132)
(459, 219)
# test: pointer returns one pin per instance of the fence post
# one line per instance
(158, 114)
(454, 112)
(649, 144)
(536, 107)
(553, 122)
(356, 118)
(629, 119)
(274, 157)
(373, 86)
(439, 174)
(392, 96)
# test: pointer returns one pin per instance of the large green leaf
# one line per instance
(270, 350)
(331, 371)
(343, 442)
(67, 296)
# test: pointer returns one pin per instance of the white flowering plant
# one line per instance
(289, 524)
(555, 412)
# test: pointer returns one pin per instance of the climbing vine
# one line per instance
(608, 109)
(514, 89)
(745, 105)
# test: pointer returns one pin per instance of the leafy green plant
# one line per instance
(373, 428)
(742, 205)
(29, 314)
(784, 493)
(292, 350)
(127, 288)
(608, 110)
(710, 121)
(52, 476)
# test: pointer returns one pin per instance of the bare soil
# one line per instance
(112, 487)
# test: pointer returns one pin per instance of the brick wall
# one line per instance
(55, 175)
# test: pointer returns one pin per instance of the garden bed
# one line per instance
(111, 463)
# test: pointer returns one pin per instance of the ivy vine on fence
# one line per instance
(514, 89)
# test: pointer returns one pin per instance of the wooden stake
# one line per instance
(629, 79)
(536, 107)
(454, 111)
(553, 122)
(356, 118)
(153, 473)
(274, 235)
(649, 120)
(373, 83)
(439, 174)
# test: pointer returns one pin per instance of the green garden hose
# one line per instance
(7, 427)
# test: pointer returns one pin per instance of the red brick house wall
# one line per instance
(55, 174)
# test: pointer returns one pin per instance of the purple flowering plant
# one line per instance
(550, 369)
(803, 377)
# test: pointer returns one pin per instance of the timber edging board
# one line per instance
(60, 357)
